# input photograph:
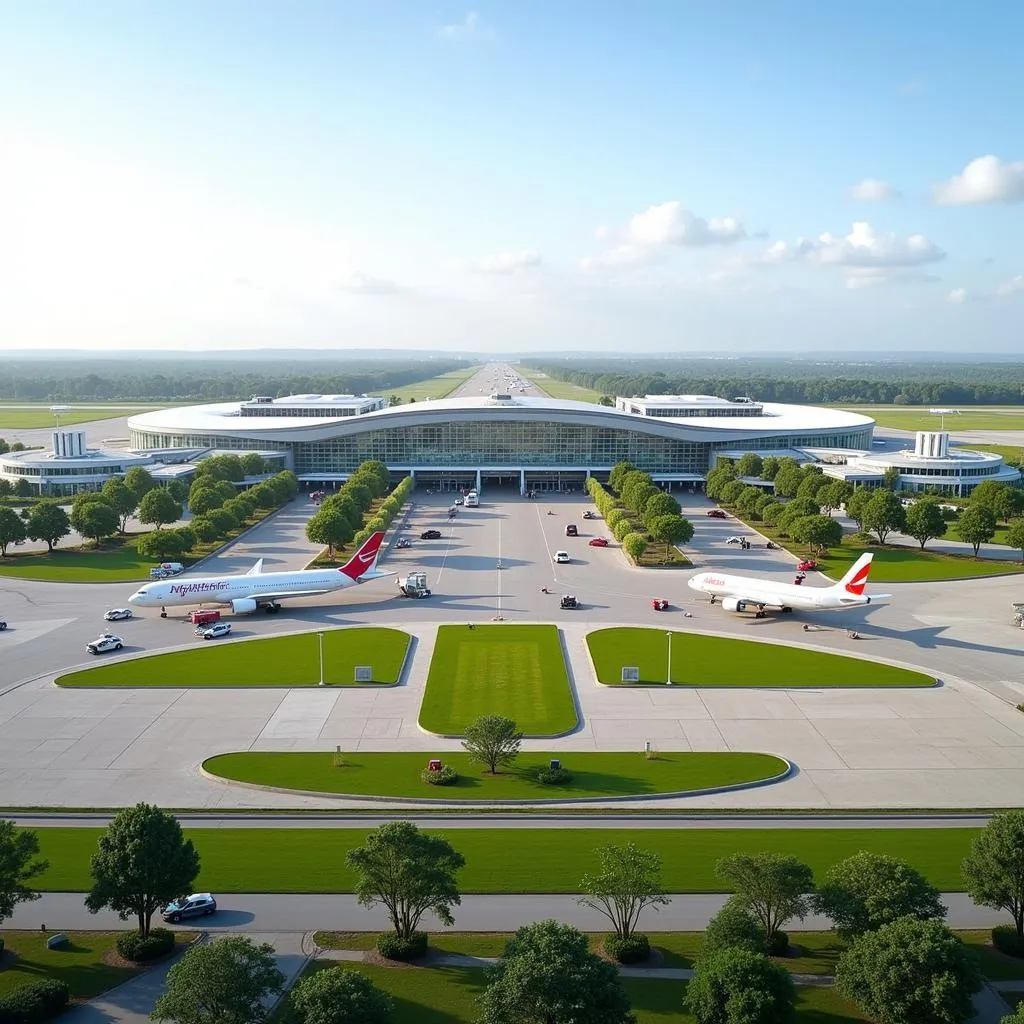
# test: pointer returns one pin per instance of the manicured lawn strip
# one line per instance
(723, 661)
(512, 860)
(33, 419)
(433, 387)
(274, 661)
(594, 774)
(510, 670)
(115, 561)
(898, 417)
(558, 388)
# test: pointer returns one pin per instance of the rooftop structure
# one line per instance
(689, 406)
(310, 406)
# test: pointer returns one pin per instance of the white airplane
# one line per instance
(248, 592)
(743, 593)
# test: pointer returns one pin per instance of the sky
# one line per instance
(654, 177)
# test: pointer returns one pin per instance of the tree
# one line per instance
(856, 503)
(626, 885)
(991, 494)
(223, 520)
(671, 530)
(1009, 503)
(618, 471)
(409, 873)
(817, 532)
(788, 479)
(95, 519)
(976, 525)
(833, 495)
(869, 890)
(177, 490)
(994, 869)
(548, 976)
(634, 544)
(22, 488)
(12, 529)
(330, 527)
(769, 467)
(891, 478)
(226, 982)
(910, 972)
(340, 996)
(748, 499)
(222, 467)
(158, 508)
(883, 513)
(204, 530)
(737, 986)
(733, 927)
(48, 521)
(359, 495)
(139, 482)
(492, 740)
(18, 866)
(924, 521)
(202, 498)
(660, 504)
(253, 464)
(187, 536)
(142, 862)
(730, 491)
(812, 483)
(750, 464)
(121, 499)
(771, 886)
(1015, 536)
(161, 545)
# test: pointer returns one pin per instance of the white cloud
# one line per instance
(958, 296)
(509, 262)
(865, 247)
(472, 26)
(358, 283)
(985, 180)
(672, 224)
(871, 190)
(1015, 286)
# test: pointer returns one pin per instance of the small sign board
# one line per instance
(364, 673)
(630, 674)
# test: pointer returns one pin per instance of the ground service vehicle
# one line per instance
(414, 585)
(218, 629)
(204, 616)
(716, 513)
(807, 565)
(117, 613)
(569, 601)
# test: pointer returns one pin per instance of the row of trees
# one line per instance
(790, 380)
(902, 965)
(639, 512)
(340, 518)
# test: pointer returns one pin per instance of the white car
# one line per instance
(107, 642)
(734, 540)
(216, 630)
(562, 557)
(118, 613)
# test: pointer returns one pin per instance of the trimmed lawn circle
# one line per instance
(284, 661)
(510, 670)
(709, 661)
(593, 775)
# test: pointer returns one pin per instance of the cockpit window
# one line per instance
(142, 593)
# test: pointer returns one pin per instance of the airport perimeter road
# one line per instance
(270, 912)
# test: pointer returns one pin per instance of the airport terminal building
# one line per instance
(512, 440)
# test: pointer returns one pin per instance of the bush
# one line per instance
(36, 1002)
(778, 944)
(554, 776)
(633, 950)
(1006, 940)
(394, 947)
(445, 777)
(132, 946)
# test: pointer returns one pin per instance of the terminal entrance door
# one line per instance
(557, 482)
(446, 480)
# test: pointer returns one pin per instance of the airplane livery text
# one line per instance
(184, 589)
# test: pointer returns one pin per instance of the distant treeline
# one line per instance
(795, 380)
(182, 380)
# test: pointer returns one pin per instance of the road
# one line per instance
(267, 912)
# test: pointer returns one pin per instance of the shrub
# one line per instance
(445, 777)
(1006, 940)
(633, 950)
(778, 945)
(36, 1002)
(133, 946)
(394, 947)
(733, 927)
(554, 776)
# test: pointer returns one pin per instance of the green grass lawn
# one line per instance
(32, 419)
(512, 860)
(115, 561)
(1012, 454)
(80, 963)
(433, 387)
(558, 388)
(276, 661)
(594, 775)
(723, 661)
(900, 417)
(516, 671)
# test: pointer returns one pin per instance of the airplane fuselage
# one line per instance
(764, 593)
(225, 589)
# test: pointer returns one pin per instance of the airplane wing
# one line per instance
(256, 569)
(280, 595)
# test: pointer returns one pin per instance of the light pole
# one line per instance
(320, 646)
(668, 675)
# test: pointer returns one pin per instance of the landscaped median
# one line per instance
(594, 775)
(515, 671)
(285, 661)
(713, 661)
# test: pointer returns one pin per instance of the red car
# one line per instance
(717, 513)
(808, 565)
(599, 542)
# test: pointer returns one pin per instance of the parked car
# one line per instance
(571, 531)
(562, 557)
(118, 613)
(734, 540)
(403, 543)
(199, 904)
(807, 565)
(717, 513)
(598, 542)
(587, 514)
(430, 535)
(106, 642)
(216, 630)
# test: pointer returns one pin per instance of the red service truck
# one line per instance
(204, 617)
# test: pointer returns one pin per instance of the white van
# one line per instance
(472, 500)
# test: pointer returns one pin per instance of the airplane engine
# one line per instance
(242, 605)
(733, 604)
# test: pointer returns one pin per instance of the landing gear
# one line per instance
(163, 612)
(272, 609)
(760, 614)
(786, 610)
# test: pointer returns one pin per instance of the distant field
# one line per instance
(114, 562)
(899, 417)
(432, 387)
(558, 389)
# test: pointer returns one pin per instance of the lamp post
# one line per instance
(668, 675)
(320, 646)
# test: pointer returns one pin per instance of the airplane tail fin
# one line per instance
(256, 569)
(365, 559)
(857, 575)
